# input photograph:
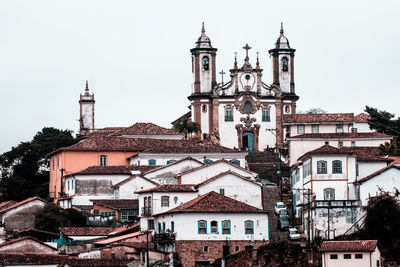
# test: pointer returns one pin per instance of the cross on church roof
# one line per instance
(247, 48)
(222, 75)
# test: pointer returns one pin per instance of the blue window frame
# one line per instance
(163, 227)
(214, 227)
(152, 162)
(172, 227)
(235, 161)
(226, 227)
(228, 114)
(265, 114)
(249, 227)
(202, 227)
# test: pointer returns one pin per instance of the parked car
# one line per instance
(283, 214)
(293, 234)
(279, 206)
(283, 223)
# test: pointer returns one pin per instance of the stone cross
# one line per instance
(247, 48)
(222, 75)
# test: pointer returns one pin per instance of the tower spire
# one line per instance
(203, 30)
(87, 86)
(281, 29)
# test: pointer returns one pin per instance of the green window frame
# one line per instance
(171, 161)
(207, 161)
(228, 114)
(235, 161)
(249, 227)
(202, 227)
(322, 167)
(172, 226)
(265, 114)
(152, 162)
(127, 215)
(337, 166)
(226, 227)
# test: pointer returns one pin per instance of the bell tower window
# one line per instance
(284, 64)
(206, 63)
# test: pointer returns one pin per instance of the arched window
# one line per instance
(214, 227)
(265, 114)
(337, 166)
(329, 194)
(204, 108)
(152, 162)
(321, 167)
(285, 64)
(206, 63)
(248, 107)
(249, 227)
(202, 227)
(235, 161)
(226, 227)
(103, 160)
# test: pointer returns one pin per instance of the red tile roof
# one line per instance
(170, 188)
(25, 238)
(118, 238)
(145, 128)
(314, 118)
(134, 177)
(105, 131)
(117, 204)
(347, 246)
(18, 259)
(213, 202)
(396, 159)
(325, 149)
(86, 231)
(247, 179)
(92, 170)
(15, 205)
(173, 163)
(93, 263)
(377, 173)
(365, 135)
(362, 117)
(367, 153)
(6, 204)
(188, 146)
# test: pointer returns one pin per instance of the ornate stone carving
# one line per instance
(247, 121)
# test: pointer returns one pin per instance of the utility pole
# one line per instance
(147, 248)
(309, 217)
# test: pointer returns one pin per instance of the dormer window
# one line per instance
(103, 160)
(284, 64)
(206, 63)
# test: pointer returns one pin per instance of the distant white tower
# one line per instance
(86, 118)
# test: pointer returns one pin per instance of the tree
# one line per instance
(52, 217)
(187, 126)
(384, 122)
(315, 110)
(24, 169)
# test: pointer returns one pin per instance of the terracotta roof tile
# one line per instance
(17, 259)
(6, 204)
(15, 205)
(93, 263)
(145, 128)
(86, 231)
(105, 131)
(341, 135)
(367, 153)
(362, 117)
(354, 246)
(170, 188)
(396, 159)
(12, 241)
(189, 146)
(118, 238)
(325, 149)
(372, 175)
(114, 169)
(117, 204)
(314, 118)
(213, 202)
(248, 179)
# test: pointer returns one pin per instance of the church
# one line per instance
(244, 112)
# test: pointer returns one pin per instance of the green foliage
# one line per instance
(384, 122)
(24, 168)
(52, 217)
(187, 126)
(316, 110)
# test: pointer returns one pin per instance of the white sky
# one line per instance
(136, 56)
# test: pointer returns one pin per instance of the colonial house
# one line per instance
(124, 210)
(357, 253)
(209, 227)
(126, 188)
(27, 245)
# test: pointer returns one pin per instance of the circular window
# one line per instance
(247, 77)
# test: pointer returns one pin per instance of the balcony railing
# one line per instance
(164, 238)
(146, 211)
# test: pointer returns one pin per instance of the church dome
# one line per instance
(203, 41)
(282, 42)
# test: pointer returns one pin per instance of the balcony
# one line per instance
(146, 211)
(164, 238)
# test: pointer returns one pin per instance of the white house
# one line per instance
(354, 253)
(204, 172)
(126, 188)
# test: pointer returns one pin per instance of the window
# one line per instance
(152, 162)
(353, 130)
(214, 227)
(163, 227)
(207, 161)
(321, 167)
(171, 161)
(204, 108)
(68, 184)
(353, 143)
(329, 194)
(205, 248)
(96, 212)
(249, 227)
(204, 136)
(172, 227)
(237, 248)
(315, 128)
(165, 201)
(128, 215)
(284, 64)
(337, 166)
(358, 256)
(326, 142)
(235, 161)
(226, 227)
(340, 144)
(159, 228)
(339, 128)
(287, 109)
(378, 263)
(53, 163)
(107, 213)
(333, 256)
(228, 114)
(346, 256)
(206, 63)
(58, 162)
(300, 129)
(248, 107)
(265, 114)
(202, 227)
(103, 160)
(72, 184)
(150, 224)
(222, 191)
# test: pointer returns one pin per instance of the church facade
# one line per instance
(244, 112)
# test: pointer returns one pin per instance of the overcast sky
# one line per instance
(136, 56)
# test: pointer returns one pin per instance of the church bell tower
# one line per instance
(86, 117)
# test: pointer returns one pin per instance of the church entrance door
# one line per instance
(248, 140)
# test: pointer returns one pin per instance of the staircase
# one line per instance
(266, 164)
